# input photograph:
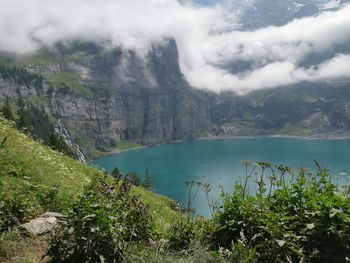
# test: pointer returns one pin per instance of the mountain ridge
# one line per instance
(149, 102)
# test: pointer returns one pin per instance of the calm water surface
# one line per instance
(218, 162)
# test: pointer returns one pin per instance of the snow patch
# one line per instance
(330, 5)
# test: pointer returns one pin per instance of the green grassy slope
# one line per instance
(38, 179)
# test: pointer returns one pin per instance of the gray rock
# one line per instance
(40, 226)
(52, 214)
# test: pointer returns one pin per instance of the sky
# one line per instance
(206, 47)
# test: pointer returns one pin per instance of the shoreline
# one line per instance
(282, 136)
(223, 137)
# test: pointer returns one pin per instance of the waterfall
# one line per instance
(62, 131)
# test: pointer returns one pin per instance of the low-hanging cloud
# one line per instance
(206, 47)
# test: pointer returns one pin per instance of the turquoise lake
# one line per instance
(218, 162)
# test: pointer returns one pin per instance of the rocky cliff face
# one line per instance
(101, 97)
(316, 110)
(117, 96)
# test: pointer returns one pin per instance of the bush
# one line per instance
(100, 226)
(133, 178)
(289, 219)
(182, 234)
(14, 209)
(49, 200)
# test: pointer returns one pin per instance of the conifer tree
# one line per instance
(7, 110)
(148, 180)
(21, 123)
(116, 174)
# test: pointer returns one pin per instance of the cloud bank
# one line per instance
(206, 47)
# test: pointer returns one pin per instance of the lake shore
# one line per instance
(223, 137)
(312, 137)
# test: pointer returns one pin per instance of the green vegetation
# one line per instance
(36, 122)
(100, 225)
(293, 216)
(27, 166)
(7, 110)
(125, 145)
(296, 129)
(40, 58)
(35, 179)
(204, 134)
(22, 77)
(4, 60)
(68, 81)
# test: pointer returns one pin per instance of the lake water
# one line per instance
(218, 162)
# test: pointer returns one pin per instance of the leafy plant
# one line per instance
(182, 234)
(100, 226)
(133, 178)
(291, 218)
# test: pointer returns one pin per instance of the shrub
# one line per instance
(133, 178)
(289, 219)
(49, 200)
(147, 183)
(182, 234)
(100, 226)
(14, 209)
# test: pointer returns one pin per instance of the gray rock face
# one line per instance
(146, 100)
(9, 88)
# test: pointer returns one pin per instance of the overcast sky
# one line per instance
(275, 53)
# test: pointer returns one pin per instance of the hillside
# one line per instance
(36, 179)
(305, 217)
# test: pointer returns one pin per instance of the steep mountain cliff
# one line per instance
(101, 97)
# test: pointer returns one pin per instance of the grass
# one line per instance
(70, 81)
(50, 168)
(204, 134)
(162, 213)
(27, 165)
(4, 61)
(21, 248)
(125, 145)
(41, 58)
(76, 57)
(295, 129)
(195, 254)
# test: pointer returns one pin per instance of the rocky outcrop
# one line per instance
(46, 223)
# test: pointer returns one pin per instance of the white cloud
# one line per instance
(275, 53)
(336, 68)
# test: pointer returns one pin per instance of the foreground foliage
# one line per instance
(35, 179)
(100, 225)
(276, 214)
(292, 217)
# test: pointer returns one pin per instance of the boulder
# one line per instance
(40, 225)
(53, 214)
